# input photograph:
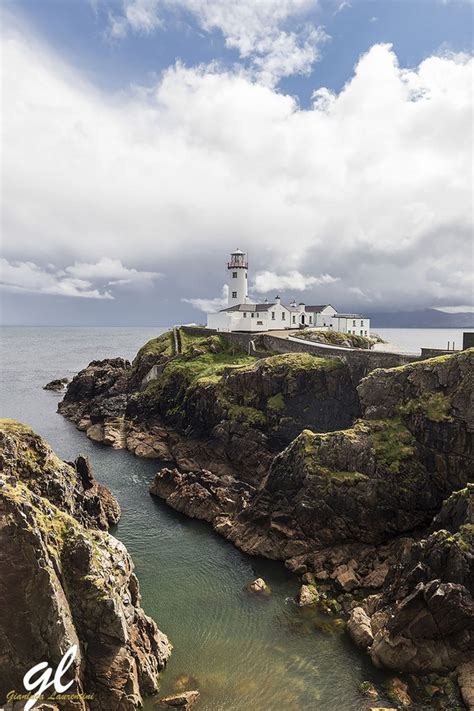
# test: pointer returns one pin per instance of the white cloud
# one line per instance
(76, 280)
(29, 277)
(111, 271)
(294, 280)
(372, 184)
(252, 27)
(210, 305)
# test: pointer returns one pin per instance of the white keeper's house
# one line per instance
(242, 314)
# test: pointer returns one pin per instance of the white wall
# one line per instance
(323, 318)
(238, 285)
(358, 326)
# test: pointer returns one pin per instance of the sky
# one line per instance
(143, 140)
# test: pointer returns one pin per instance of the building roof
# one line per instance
(317, 309)
(249, 307)
(348, 316)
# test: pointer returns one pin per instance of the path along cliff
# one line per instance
(291, 457)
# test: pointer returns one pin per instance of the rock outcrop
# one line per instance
(209, 404)
(57, 385)
(66, 582)
(272, 454)
(353, 506)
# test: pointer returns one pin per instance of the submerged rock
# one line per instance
(259, 587)
(184, 700)
(368, 689)
(65, 582)
(397, 691)
(307, 595)
(57, 385)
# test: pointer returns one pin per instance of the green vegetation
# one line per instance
(392, 443)
(307, 447)
(435, 406)
(162, 346)
(465, 537)
(299, 361)
(276, 403)
(336, 338)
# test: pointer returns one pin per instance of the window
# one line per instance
(361, 323)
(246, 275)
(234, 294)
(234, 275)
(252, 314)
(273, 315)
(311, 319)
(365, 333)
(259, 323)
(361, 333)
(283, 315)
(294, 318)
(353, 323)
(245, 314)
(258, 314)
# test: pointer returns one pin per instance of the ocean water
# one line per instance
(242, 652)
(411, 340)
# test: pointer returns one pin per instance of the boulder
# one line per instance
(57, 385)
(368, 689)
(96, 433)
(307, 595)
(183, 700)
(465, 674)
(258, 586)
(397, 691)
(346, 578)
(359, 628)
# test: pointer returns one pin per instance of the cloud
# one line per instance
(294, 280)
(76, 280)
(252, 28)
(29, 277)
(371, 184)
(210, 305)
(112, 271)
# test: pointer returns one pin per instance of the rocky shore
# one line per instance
(361, 489)
(66, 581)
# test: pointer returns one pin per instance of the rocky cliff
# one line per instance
(210, 403)
(287, 459)
(351, 505)
(65, 581)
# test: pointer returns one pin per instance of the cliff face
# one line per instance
(386, 475)
(271, 454)
(352, 505)
(242, 408)
(65, 581)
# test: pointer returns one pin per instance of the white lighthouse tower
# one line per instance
(237, 268)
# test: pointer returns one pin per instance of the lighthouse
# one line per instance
(237, 269)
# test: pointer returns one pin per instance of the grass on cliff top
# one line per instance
(31, 454)
(203, 359)
(336, 338)
(161, 346)
(14, 427)
(299, 361)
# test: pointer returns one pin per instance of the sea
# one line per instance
(240, 651)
